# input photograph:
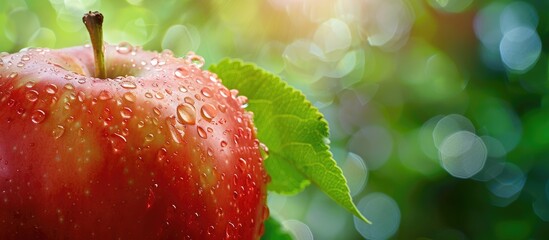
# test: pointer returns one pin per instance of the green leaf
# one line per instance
(294, 131)
(275, 231)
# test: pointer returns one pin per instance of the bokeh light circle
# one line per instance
(299, 230)
(384, 214)
(520, 48)
(463, 154)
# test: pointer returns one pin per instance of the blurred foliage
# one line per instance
(438, 108)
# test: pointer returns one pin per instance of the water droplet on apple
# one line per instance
(222, 107)
(148, 95)
(211, 229)
(150, 199)
(149, 137)
(124, 48)
(25, 57)
(58, 131)
(235, 195)
(154, 61)
(156, 111)
(159, 95)
(242, 164)
(201, 132)
(243, 100)
(208, 112)
(104, 95)
(186, 114)
(223, 144)
(130, 97)
(206, 92)
(38, 116)
(51, 88)
(176, 134)
(196, 60)
(118, 142)
(30, 84)
(161, 155)
(11, 102)
(69, 86)
(189, 100)
(181, 72)
(81, 96)
(264, 149)
(69, 77)
(128, 85)
(183, 89)
(126, 113)
(32, 95)
(12, 75)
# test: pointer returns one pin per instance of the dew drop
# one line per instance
(176, 134)
(13, 75)
(150, 198)
(25, 57)
(124, 48)
(186, 114)
(11, 102)
(69, 86)
(195, 60)
(149, 137)
(181, 72)
(211, 229)
(243, 100)
(51, 88)
(208, 112)
(140, 124)
(58, 131)
(161, 155)
(128, 85)
(105, 95)
(32, 95)
(222, 107)
(159, 95)
(183, 89)
(264, 149)
(81, 96)
(118, 142)
(156, 111)
(201, 132)
(130, 97)
(38, 116)
(148, 95)
(189, 100)
(30, 84)
(206, 92)
(223, 144)
(126, 113)
(154, 61)
(242, 164)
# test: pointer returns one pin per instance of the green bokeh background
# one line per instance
(409, 88)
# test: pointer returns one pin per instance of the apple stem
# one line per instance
(94, 24)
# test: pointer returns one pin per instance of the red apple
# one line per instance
(159, 149)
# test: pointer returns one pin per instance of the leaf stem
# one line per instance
(94, 24)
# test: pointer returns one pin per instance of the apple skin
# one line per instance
(123, 157)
